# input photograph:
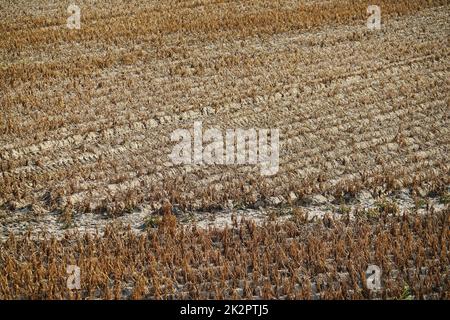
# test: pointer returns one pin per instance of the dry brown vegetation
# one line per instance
(86, 117)
(87, 114)
(293, 260)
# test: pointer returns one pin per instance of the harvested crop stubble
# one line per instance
(87, 114)
(293, 260)
(85, 123)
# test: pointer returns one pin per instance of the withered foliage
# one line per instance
(85, 123)
(87, 126)
(291, 260)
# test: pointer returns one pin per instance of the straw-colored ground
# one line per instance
(86, 117)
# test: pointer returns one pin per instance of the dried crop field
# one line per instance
(294, 260)
(86, 117)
